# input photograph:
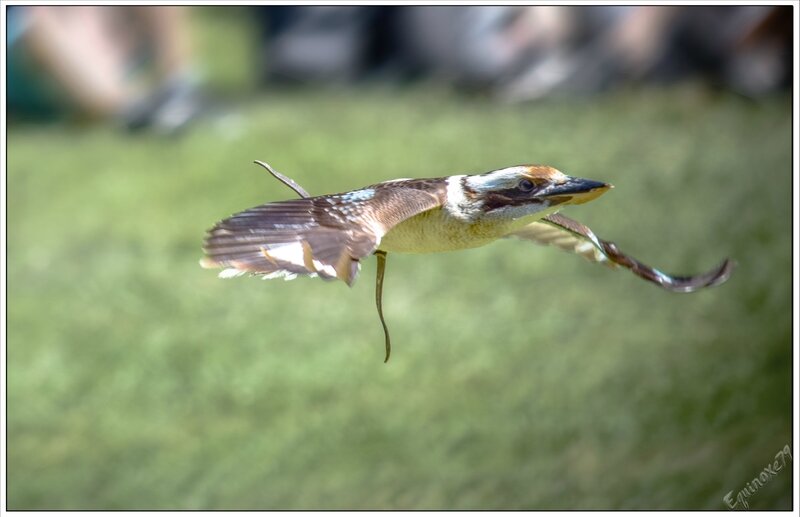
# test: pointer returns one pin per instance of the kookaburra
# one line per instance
(327, 236)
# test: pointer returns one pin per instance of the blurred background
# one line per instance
(521, 378)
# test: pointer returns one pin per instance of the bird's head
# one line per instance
(525, 190)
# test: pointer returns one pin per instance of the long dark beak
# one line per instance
(575, 191)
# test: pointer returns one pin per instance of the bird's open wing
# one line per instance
(324, 235)
(572, 236)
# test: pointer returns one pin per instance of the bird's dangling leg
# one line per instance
(381, 255)
(289, 182)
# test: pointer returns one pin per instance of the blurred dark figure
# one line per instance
(88, 62)
(753, 53)
(744, 48)
(332, 44)
(523, 53)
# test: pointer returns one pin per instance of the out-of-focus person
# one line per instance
(129, 64)
(746, 49)
(526, 53)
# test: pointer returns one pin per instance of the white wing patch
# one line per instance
(326, 269)
(230, 273)
(291, 253)
(286, 275)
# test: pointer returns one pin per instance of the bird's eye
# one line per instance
(525, 185)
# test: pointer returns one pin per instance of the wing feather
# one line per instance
(322, 236)
(574, 237)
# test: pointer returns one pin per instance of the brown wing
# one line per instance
(572, 236)
(324, 235)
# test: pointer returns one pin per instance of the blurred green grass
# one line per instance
(521, 378)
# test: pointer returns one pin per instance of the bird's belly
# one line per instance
(433, 231)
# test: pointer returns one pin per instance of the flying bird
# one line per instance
(327, 236)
